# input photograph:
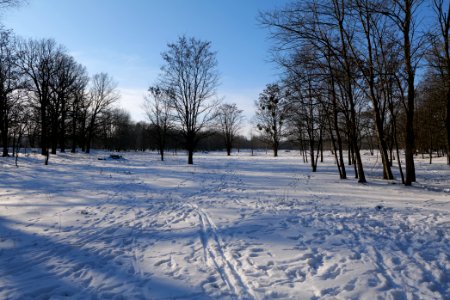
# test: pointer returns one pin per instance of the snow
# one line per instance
(240, 227)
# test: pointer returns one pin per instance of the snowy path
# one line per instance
(228, 228)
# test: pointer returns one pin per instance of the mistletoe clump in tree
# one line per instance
(270, 115)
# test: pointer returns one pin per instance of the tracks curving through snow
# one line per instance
(226, 228)
(215, 254)
(214, 251)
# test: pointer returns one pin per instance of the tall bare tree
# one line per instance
(326, 26)
(10, 84)
(158, 111)
(271, 115)
(404, 13)
(440, 59)
(63, 86)
(103, 93)
(305, 103)
(190, 75)
(78, 99)
(230, 119)
(37, 60)
(373, 27)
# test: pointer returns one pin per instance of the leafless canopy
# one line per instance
(230, 118)
(190, 74)
(158, 111)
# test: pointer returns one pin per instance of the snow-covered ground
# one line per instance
(237, 227)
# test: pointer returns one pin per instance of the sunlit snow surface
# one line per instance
(237, 227)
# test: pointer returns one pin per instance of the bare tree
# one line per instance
(63, 85)
(403, 13)
(305, 104)
(230, 119)
(10, 84)
(78, 100)
(102, 95)
(271, 113)
(373, 28)
(37, 60)
(158, 111)
(326, 26)
(440, 58)
(190, 75)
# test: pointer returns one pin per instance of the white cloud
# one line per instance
(132, 100)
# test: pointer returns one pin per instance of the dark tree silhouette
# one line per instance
(271, 113)
(157, 109)
(10, 85)
(102, 95)
(229, 118)
(190, 76)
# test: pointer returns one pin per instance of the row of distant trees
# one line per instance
(48, 97)
(350, 75)
(48, 100)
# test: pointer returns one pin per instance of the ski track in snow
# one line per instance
(226, 228)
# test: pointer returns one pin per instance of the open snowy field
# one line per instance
(237, 227)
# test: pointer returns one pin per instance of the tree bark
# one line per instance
(5, 138)
(447, 121)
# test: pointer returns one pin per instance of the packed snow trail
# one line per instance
(238, 227)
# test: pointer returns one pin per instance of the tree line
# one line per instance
(48, 100)
(350, 73)
(349, 81)
(48, 97)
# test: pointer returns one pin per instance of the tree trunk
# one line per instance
(88, 143)
(62, 141)
(47, 156)
(74, 137)
(349, 153)
(190, 146)
(90, 135)
(190, 157)
(54, 136)
(44, 140)
(359, 165)
(5, 138)
(341, 154)
(431, 148)
(410, 144)
(447, 121)
(311, 154)
(387, 172)
(343, 174)
(321, 145)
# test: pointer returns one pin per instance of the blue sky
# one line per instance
(126, 38)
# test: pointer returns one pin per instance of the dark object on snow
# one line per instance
(379, 207)
(112, 157)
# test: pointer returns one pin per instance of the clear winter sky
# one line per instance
(126, 38)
